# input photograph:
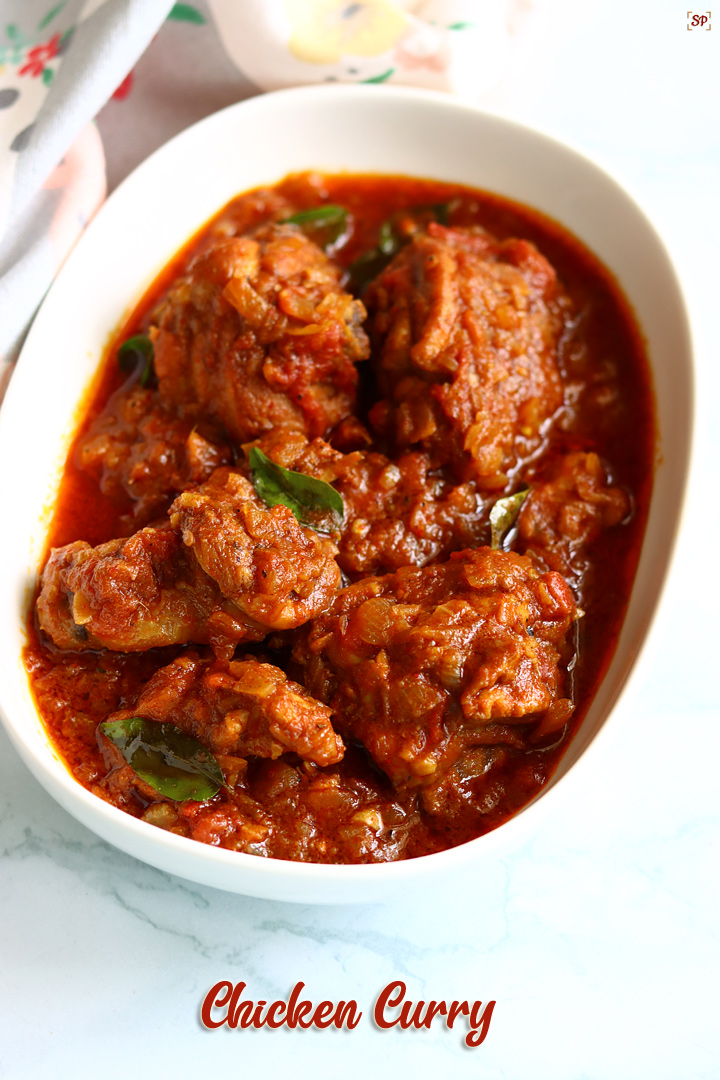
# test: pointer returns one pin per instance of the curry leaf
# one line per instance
(137, 351)
(175, 764)
(328, 214)
(328, 222)
(312, 501)
(503, 516)
(442, 212)
(388, 240)
(368, 265)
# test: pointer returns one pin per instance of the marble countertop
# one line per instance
(598, 937)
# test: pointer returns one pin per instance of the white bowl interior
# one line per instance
(355, 129)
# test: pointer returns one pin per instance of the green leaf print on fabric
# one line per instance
(380, 78)
(50, 15)
(186, 13)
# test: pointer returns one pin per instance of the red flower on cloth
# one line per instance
(124, 88)
(38, 57)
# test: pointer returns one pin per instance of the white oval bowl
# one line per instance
(332, 129)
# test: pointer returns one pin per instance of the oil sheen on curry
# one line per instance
(348, 529)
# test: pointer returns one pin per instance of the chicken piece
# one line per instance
(467, 329)
(277, 571)
(127, 595)
(137, 448)
(229, 571)
(397, 513)
(239, 708)
(260, 333)
(247, 212)
(485, 786)
(562, 517)
(425, 663)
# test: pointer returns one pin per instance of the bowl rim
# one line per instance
(74, 797)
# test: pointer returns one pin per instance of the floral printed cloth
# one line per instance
(89, 87)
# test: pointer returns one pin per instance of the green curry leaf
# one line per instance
(503, 516)
(327, 214)
(390, 239)
(366, 267)
(137, 351)
(328, 222)
(312, 501)
(175, 764)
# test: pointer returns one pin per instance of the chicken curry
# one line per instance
(347, 532)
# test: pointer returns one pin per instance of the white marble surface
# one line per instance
(599, 937)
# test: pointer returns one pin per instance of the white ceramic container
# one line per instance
(359, 129)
